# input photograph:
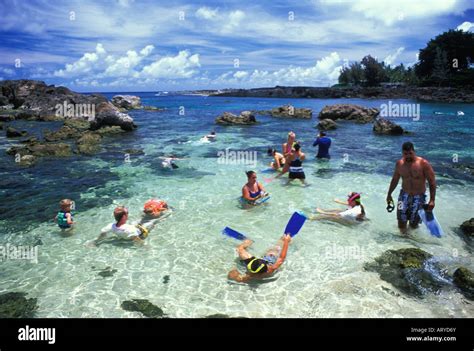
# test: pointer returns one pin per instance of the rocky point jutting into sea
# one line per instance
(86, 118)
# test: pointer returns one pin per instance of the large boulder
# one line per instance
(326, 124)
(13, 133)
(289, 111)
(34, 100)
(350, 112)
(245, 118)
(464, 280)
(108, 115)
(386, 127)
(406, 269)
(128, 102)
(468, 227)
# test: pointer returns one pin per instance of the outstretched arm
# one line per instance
(341, 202)
(282, 257)
(235, 275)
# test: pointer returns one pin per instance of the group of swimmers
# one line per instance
(413, 170)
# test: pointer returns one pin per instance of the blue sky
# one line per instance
(142, 45)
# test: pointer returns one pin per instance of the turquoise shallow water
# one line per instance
(323, 275)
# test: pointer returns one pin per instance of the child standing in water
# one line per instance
(64, 216)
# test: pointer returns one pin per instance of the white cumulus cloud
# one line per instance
(325, 72)
(183, 65)
(86, 64)
(466, 26)
(206, 13)
(100, 65)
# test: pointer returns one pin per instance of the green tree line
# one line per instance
(447, 60)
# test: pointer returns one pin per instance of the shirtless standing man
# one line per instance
(415, 171)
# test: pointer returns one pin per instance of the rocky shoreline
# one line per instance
(427, 94)
(86, 119)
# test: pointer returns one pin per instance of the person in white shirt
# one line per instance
(354, 213)
(122, 230)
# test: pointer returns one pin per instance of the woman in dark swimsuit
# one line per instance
(294, 165)
(253, 190)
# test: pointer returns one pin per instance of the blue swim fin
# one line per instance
(431, 223)
(233, 234)
(295, 224)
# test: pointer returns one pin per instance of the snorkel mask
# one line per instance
(390, 207)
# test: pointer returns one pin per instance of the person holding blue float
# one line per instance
(253, 192)
(324, 144)
(412, 207)
(259, 268)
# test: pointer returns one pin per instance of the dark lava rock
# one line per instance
(386, 127)
(16, 305)
(326, 124)
(245, 118)
(289, 111)
(89, 143)
(13, 133)
(468, 227)
(350, 112)
(143, 306)
(409, 270)
(107, 272)
(166, 279)
(464, 280)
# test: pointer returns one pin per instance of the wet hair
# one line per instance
(213, 133)
(271, 151)
(322, 133)
(65, 204)
(119, 212)
(408, 146)
(250, 173)
(297, 146)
